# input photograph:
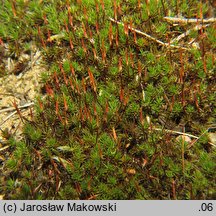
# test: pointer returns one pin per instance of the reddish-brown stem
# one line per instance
(115, 9)
(110, 34)
(126, 57)
(132, 59)
(139, 68)
(70, 18)
(117, 39)
(63, 73)
(84, 84)
(103, 51)
(97, 27)
(18, 111)
(85, 14)
(102, 4)
(84, 30)
(84, 46)
(40, 104)
(181, 72)
(121, 94)
(126, 29)
(72, 70)
(120, 64)
(56, 80)
(174, 189)
(57, 107)
(66, 26)
(14, 9)
(94, 52)
(141, 116)
(71, 84)
(106, 111)
(49, 90)
(41, 38)
(92, 81)
(65, 103)
(71, 43)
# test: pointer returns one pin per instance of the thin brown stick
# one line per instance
(138, 31)
(13, 113)
(9, 116)
(181, 133)
(20, 107)
(196, 28)
(185, 20)
(3, 148)
(199, 137)
(168, 45)
(183, 162)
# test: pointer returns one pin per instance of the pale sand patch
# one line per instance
(23, 89)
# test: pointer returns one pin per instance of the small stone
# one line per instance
(131, 171)
(212, 137)
(185, 138)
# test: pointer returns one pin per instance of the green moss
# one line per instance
(92, 135)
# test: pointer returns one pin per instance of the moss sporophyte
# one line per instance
(127, 100)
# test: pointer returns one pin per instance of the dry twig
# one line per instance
(186, 134)
(20, 107)
(168, 45)
(11, 109)
(9, 116)
(196, 28)
(185, 20)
